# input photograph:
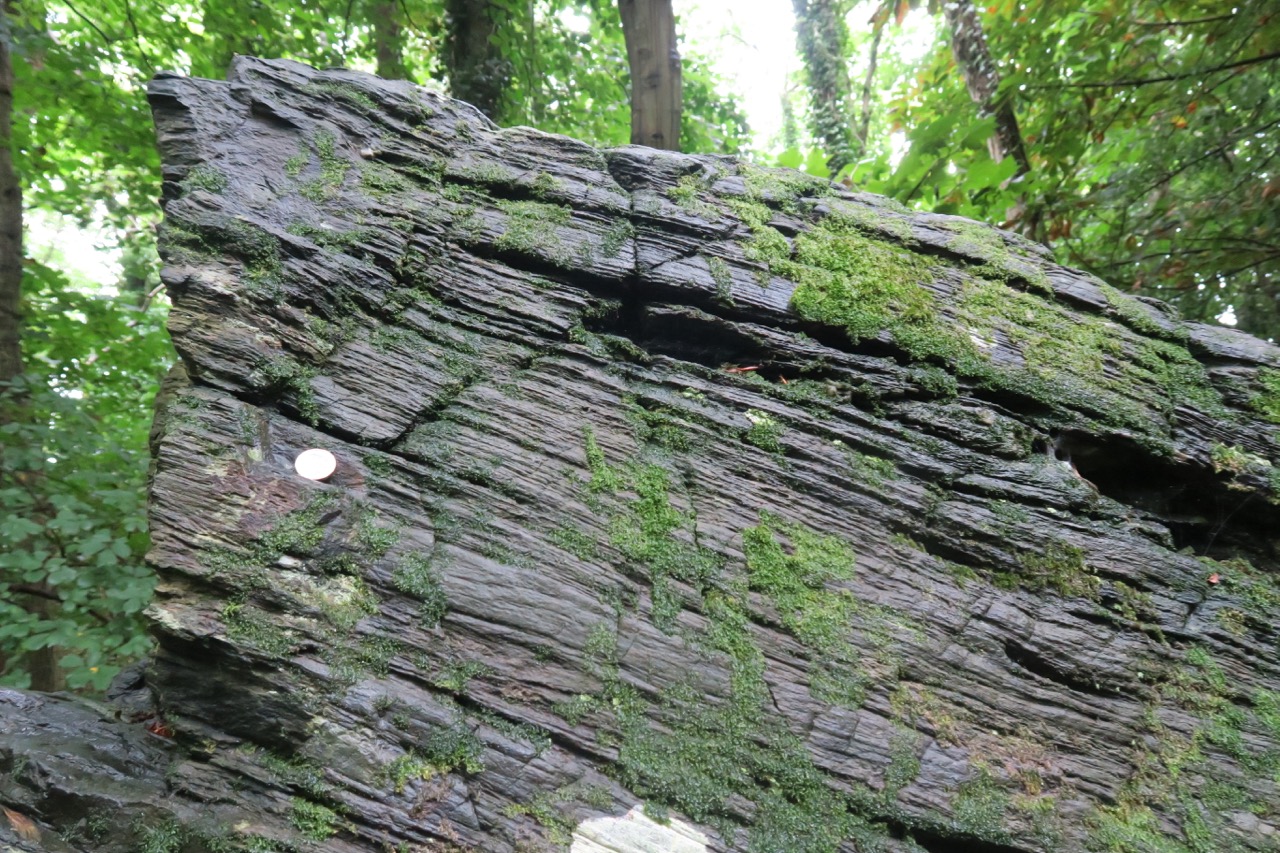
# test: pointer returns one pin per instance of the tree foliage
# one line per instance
(73, 466)
(1152, 132)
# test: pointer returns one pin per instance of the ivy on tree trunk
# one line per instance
(823, 39)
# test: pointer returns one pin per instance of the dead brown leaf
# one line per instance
(22, 824)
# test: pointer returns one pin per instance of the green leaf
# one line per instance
(816, 164)
(977, 134)
(791, 158)
(985, 174)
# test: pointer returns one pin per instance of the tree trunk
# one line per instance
(807, 521)
(478, 72)
(969, 46)
(10, 215)
(388, 39)
(823, 39)
(656, 97)
(40, 664)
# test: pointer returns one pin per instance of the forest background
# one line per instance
(1140, 140)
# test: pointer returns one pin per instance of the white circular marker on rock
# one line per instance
(315, 464)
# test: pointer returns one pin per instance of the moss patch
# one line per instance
(531, 228)
(1172, 774)
(661, 426)
(332, 239)
(258, 250)
(447, 749)
(415, 576)
(764, 432)
(351, 659)
(705, 754)
(723, 280)
(1266, 402)
(552, 810)
(1060, 567)
(284, 374)
(333, 169)
(796, 581)
(784, 187)
(873, 470)
(867, 286)
(977, 240)
(453, 677)
(979, 808)
(342, 92)
(380, 181)
(314, 821)
(203, 177)
(603, 477)
(1129, 376)
(654, 534)
(686, 193)
(793, 567)
(1071, 360)
(252, 625)
(619, 234)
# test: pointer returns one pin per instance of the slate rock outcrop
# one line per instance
(805, 522)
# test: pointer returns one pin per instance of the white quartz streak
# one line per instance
(635, 832)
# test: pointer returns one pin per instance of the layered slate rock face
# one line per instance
(806, 522)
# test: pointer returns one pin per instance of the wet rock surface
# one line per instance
(808, 522)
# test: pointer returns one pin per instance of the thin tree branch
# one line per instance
(1264, 259)
(1212, 152)
(1187, 23)
(137, 37)
(864, 119)
(408, 16)
(85, 18)
(145, 302)
(40, 591)
(1165, 254)
(35, 590)
(1266, 57)
(346, 30)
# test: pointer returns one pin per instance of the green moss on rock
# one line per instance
(204, 177)
(344, 92)
(415, 576)
(314, 821)
(1130, 376)
(284, 374)
(1266, 402)
(531, 228)
(656, 535)
(867, 286)
(252, 625)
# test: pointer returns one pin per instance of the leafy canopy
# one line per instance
(1153, 130)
